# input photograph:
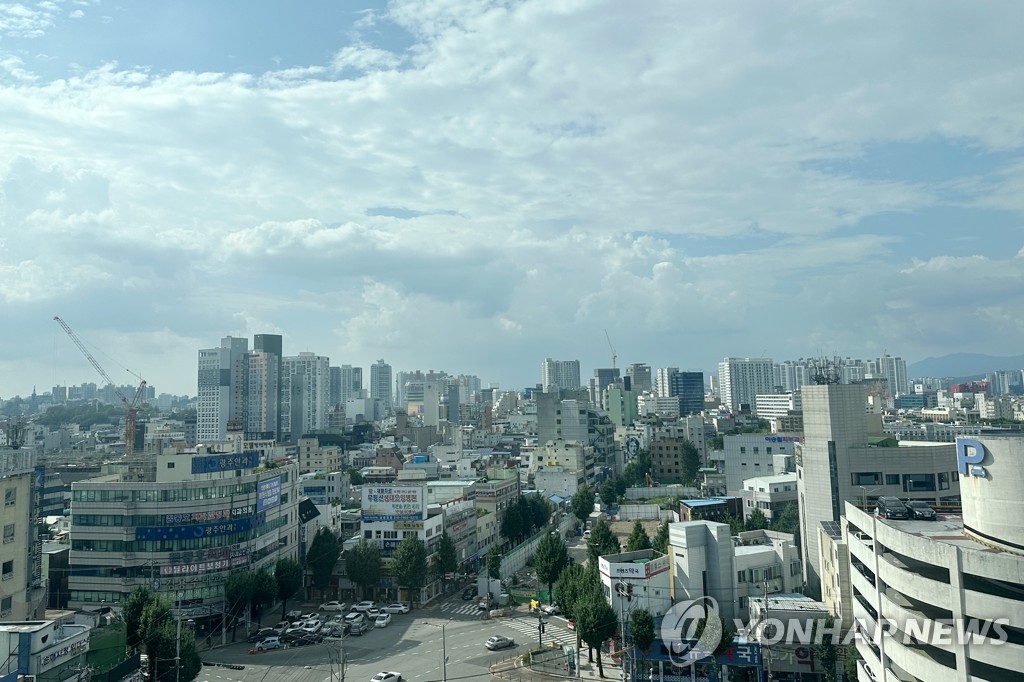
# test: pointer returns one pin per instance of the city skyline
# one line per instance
(480, 186)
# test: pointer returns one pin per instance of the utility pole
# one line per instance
(767, 652)
(177, 649)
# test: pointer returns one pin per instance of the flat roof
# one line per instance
(706, 502)
(777, 478)
(946, 528)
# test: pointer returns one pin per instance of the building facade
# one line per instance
(741, 380)
(559, 374)
(305, 395)
(220, 394)
(21, 587)
(380, 383)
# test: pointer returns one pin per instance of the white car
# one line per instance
(363, 606)
(499, 642)
(382, 621)
(396, 608)
(333, 606)
(550, 609)
(387, 677)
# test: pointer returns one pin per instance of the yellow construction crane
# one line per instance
(132, 406)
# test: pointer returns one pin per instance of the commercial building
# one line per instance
(43, 651)
(637, 580)
(752, 455)
(180, 523)
(769, 494)
(939, 587)
(846, 457)
(639, 375)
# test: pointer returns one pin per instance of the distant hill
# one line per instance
(963, 365)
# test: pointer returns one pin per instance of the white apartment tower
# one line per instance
(220, 388)
(741, 380)
(262, 393)
(305, 395)
(559, 374)
(380, 383)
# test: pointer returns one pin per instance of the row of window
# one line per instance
(133, 520)
(759, 575)
(166, 495)
(121, 546)
(911, 482)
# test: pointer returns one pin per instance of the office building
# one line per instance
(559, 374)
(639, 375)
(752, 455)
(846, 457)
(602, 379)
(741, 380)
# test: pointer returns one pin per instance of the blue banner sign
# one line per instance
(210, 464)
(204, 530)
(268, 494)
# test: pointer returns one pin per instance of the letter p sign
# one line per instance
(969, 454)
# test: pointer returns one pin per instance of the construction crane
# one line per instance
(132, 405)
(611, 347)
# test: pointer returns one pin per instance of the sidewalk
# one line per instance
(515, 671)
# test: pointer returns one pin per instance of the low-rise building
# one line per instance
(640, 579)
(44, 651)
(769, 494)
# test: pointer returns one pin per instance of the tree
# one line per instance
(660, 541)
(595, 620)
(322, 557)
(494, 563)
(827, 651)
(512, 524)
(238, 593)
(602, 541)
(355, 477)
(756, 520)
(583, 504)
(716, 442)
(447, 555)
(363, 565)
(641, 627)
(155, 632)
(691, 461)
(788, 521)
(552, 556)
(568, 586)
(638, 538)
(409, 565)
(263, 593)
(540, 511)
(607, 492)
(288, 576)
(132, 610)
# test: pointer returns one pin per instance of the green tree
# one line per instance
(607, 492)
(494, 563)
(238, 593)
(409, 565)
(716, 442)
(539, 511)
(595, 620)
(131, 611)
(602, 542)
(355, 477)
(756, 520)
(447, 555)
(156, 631)
(552, 556)
(512, 525)
(660, 541)
(850, 662)
(690, 461)
(638, 538)
(568, 586)
(288, 576)
(363, 565)
(827, 651)
(788, 521)
(583, 504)
(322, 557)
(641, 627)
(263, 593)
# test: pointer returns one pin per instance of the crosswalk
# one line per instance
(528, 627)
(466, 608)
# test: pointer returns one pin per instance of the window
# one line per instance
(943, 480)
(5, 606)
(918, 482)
(8, 533)
(867, 478)
(743, 450)
(10, 497)
(170, 465)
(892, 479)
(8, 570)
(741, 576)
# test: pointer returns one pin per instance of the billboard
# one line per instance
(393, 503)
(634, 570)
(268, 494)
(211, 464)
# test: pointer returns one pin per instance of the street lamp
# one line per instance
(444, 649)
(864, 492)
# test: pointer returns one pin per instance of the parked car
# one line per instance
(550, 609)
(469, 593)
(397, 607)
(382, 621)
(332, 606)
(358, 627)
(283, 625)
(306, 639)
(309, 615)
(355, 617)
(387, 677)
(364, 606)
(372, 613)
(293, 615)
(267, 643)
(262, 634)
(891, 508)
(920, 510)
(499, 642)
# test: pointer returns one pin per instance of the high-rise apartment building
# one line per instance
(262, 413)
(380, 383)
(305, 395)
(742, 379)
(894, 369)
(602, 379)
(688, 387)
(346, 384)
(559, 374)
(22, 590)
(220, 389)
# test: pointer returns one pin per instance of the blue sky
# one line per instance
(475, 186)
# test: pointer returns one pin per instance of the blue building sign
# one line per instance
(268, 494)
(210, 464)
(202, 530)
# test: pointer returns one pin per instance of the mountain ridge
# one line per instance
(963, 365)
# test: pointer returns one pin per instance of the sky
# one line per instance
(474, 186)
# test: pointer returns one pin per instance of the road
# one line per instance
(411, 645)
